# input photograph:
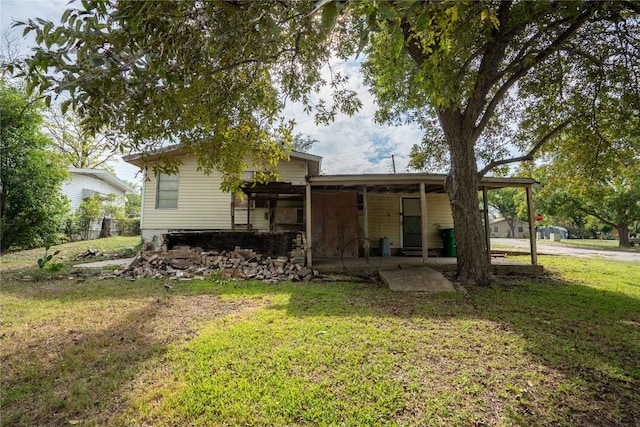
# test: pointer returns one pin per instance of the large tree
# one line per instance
(81, 149)
(32, 207)
(215, 75)
(483, 75)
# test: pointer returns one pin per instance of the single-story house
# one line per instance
(84, 183)
(338, 215)
(500, 228)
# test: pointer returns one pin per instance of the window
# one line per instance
(520, 229)
(167, 191)
(496, 229)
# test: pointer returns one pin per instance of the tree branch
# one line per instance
(528, 65)
(530, 155)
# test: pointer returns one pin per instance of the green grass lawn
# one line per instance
(553, 351)
(25, 259)
(594, 244)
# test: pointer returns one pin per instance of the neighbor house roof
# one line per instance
(104, 175)
(497, 220)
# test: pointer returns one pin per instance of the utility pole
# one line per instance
(393, 161)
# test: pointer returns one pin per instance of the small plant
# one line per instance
(48, 257)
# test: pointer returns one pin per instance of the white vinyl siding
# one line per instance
(81, 185)
(293, 171)
(167, 192)
(201, 203)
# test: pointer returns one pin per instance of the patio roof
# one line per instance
(408, 182)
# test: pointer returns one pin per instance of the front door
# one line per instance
(411, 223)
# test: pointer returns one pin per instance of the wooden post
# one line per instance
(532, 228)
(249, 211)
(365, 222)
(307, 216)
(233, 211)
(424, 223)
(487, 230)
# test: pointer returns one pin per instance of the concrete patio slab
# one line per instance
(416, 279)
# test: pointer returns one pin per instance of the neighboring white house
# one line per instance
(84, 183)
(500, 228)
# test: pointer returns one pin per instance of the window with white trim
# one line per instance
(167, 191)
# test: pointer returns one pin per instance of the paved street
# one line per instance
(548, 248)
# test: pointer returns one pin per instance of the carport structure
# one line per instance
(418, 187)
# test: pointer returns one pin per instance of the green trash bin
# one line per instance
(449, 242)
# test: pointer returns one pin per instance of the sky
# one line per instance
(349, 145)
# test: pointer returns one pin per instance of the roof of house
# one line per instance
(138, 159)
(497, 220)
(104, 175)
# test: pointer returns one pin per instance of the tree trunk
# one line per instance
(462, 188)
(511, 222)
(105, 231)
(623, 234)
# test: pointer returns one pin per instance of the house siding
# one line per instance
(78, 182)
(293, 171)
(385, 219)
(505, 231)
(201, 203)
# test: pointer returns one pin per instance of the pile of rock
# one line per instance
(89, 254)
(188, 262)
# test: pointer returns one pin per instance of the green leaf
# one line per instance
(329, 15)
(65, 106)
(397, 42)
(273, 26)
(320, 4)
(423, 21)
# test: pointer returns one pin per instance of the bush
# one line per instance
(129, 226)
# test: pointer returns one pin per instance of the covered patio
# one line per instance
(420, 187)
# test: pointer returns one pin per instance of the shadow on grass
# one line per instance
(62, 378)
(588, 336)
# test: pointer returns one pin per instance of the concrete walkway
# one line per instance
(121, 262)
(416, 279)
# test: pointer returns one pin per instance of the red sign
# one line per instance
(538, 217)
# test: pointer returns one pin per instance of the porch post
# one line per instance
(248, 211)
(365, 222)
(307, 211)
(233, 211)
(532, 228)
(487, 230)
(424, 223)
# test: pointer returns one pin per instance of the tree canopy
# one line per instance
(215, 75)
(212, 76)
(79, 148)
(32, 206)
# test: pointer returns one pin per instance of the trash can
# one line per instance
(449, 242)
(385, 249)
